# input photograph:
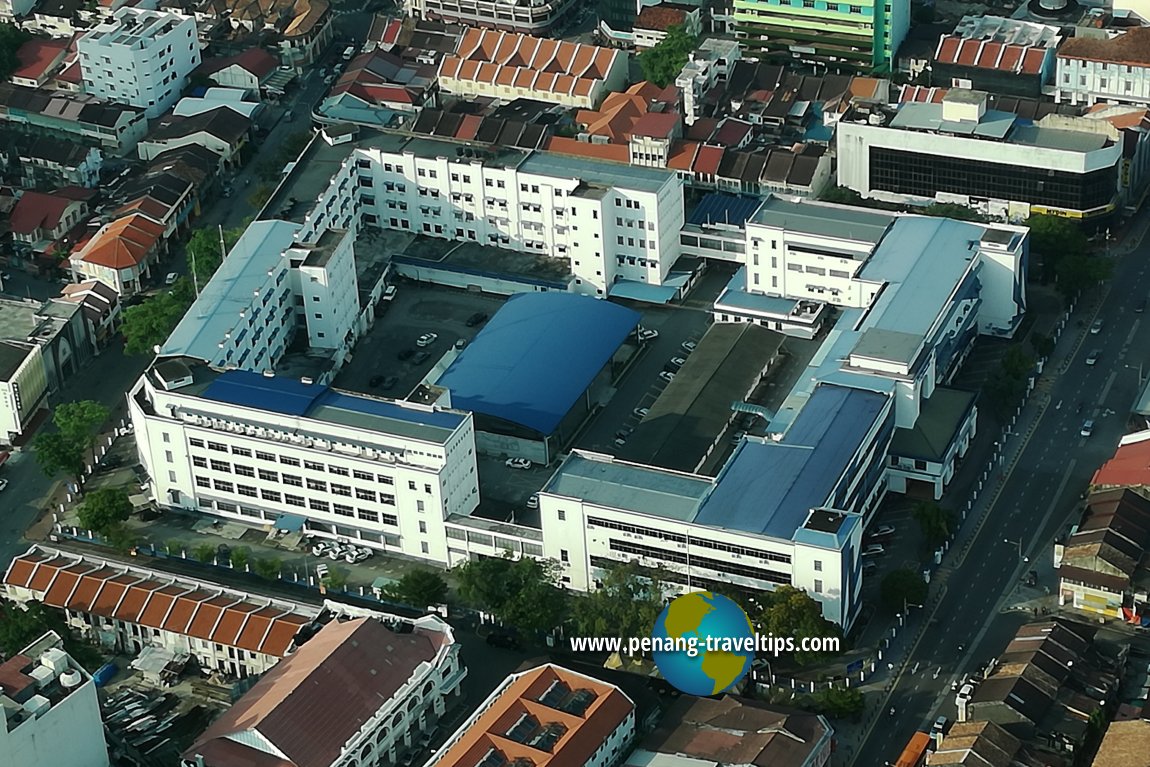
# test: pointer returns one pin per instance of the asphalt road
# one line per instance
(1037, 501)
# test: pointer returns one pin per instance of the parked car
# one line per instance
(171, 279)
(420, 358)
(476, 319)
(1096, 328)
(425, 340)
(688, 346)
(939, 727)
(678, 361)
(964, 694)
(533, 501)
(668, 377)
(460, 344)
(648, 335)
(3, 483)
(356, 555)
(503, 638)
(1087, 428)
(873, 550)
(375, 381)
(882, 531)
(869, 567)
(1092, 358)
(112, 461)
(406, 354)
(641, 412)
(389, 383)
(517, 463)
(737, 437)
(389, 293)
(1140, 306)
(322, 548)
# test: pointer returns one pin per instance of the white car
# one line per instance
(427, 339)
(517, 463)
(1092, 358)
(668, 377)
(358, 555)
(389, 293)
(881, 532)
(321, 571)
(646, 334)
(1096, 328)
(964, 694)
(1087, 428)
(678, 361)
(533, 501)
(321, 549)
(688, 346)
(171, 279)
(873, 550)
(641, 412)
(3, 484)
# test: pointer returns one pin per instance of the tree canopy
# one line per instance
(662, 63)
(520, 592)
(627, 605)
(1065, 254)
(11, 38)
(81, 420)
(149, 324)
(903, 587)
(953, 210)
(65, 450)
(57, 454)
(934, 521)
(105, 509)
(419, 588)
(788, 611)
(204, 251)
(21, 626)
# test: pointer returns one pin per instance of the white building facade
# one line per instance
(140, 57)
(51, 715)
(1090, 70)
(23, 387)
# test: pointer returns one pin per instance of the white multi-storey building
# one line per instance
(140, 57)
(614, 223)
(708, 66)
(1112, 68)
(264, 449)
(50, 712)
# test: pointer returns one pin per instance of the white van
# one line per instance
(348, 52)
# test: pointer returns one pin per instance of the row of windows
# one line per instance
(730, 568)
(290, 461)
(650, 532)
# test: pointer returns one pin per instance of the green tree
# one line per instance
(57, 454)
(903, 587)
(1016, 363)
(267, 568)
(626, 605)
(240, 557)
(336, 578)
(22, 625)
(788, 611)
(204, 553)
(520, 592)
(81, 421)
(1080, 271)
(841, 702)
(122, 538)
(842, 196)
(662, 63)
(105, 509)
(174, 546)
(953, 210)
(11, 38)
(259, 198)
(1054, 238)
(934, 522)
(149, 324)
(204, 253)
(419, 588)
(1042, 345)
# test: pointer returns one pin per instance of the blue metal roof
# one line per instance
(537, 356)
(443, 419)
(720, 208)
(287, 396)
(769, 488)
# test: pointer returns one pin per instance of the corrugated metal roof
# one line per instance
(721, 208)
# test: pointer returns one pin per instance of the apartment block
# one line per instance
(529, 17)
(1111, 69)
(51, 714)
(140, 57)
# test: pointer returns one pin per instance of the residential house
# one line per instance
(57, 18)
(167, 198)
(12, 10)
(384, 34)
(380, 682)
(990, 53)
(612, 122)
(125, 609)
(730, 731)
(247, 71)
(234, 99)
(551, 710)
(652, 136)
(195, 164)
(221, 130)
(100, 305)
(1124, 745)
(80, 118)
(708, 68)
(979, 744)
(38, 61)
(120, 253)
(530, 17)
(377, 88)
(40, 162)
(302, 28)
(42, 222)
(507, 66)
(1103, 568)
(1130, 466)
(651, 25)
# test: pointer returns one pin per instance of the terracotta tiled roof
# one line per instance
(682, 155)
(334, 684)
(39, 210)
(707, 160)
(1121, 116)
(582, 712)
(990, 54)
(1131, 47)
(660, 17)
(569, 146)
(1130, 467)
(656, 124)
(257, 61)
(490, 56)
(921, 93)
(102, 589)
(36, 57)
(124, 243)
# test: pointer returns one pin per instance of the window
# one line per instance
(313, 484)
(270, 495)
(564, 556)
(168, 456)
(427, 489)
(344, 490)
(423, 546)
(386, 498)
(265, 456)
(410, 484)
(196, 442)
(423, 528)
(419, 505)
(313, 466)
(386, 480)
(818, 566)
(291, 479)
(365, 495)
(342, 510)
(223, 487)
(200, 462)
(247, 490)
(318, 505)
(369, 516)
(167, 437)
(338, 470)
(818, 586)
(293, 500)
(269, 476)
(362, 475)
(245, 471)
(203, 482)
(289, 461)
(241, 451)
(223, 466)
(219, 447)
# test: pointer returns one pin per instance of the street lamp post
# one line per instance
(1019, 544)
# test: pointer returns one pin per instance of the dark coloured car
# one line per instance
(504, 639)
(375, 381)
(420, 358)
(476, 319)
(112, 462)
(406, 354)
(389, 383)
